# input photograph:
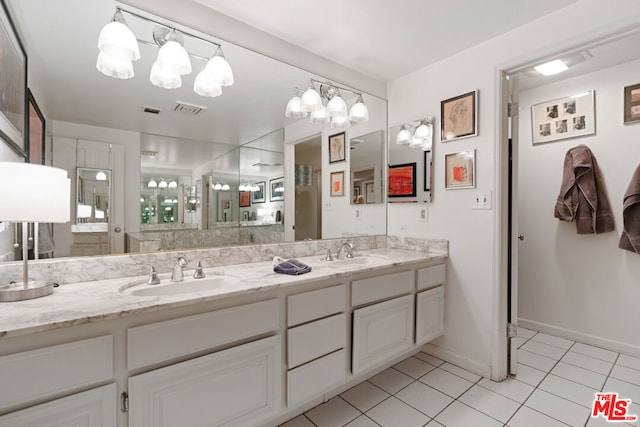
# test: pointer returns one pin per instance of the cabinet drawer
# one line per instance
(315, 339)
(315, 304)
(157, 342)
(55, 369)
(429, 314)
(431, 276)
(381, 287)
(313, 379)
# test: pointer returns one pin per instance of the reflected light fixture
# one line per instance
(404, 135)
(418, 134)
(225, 187)
(173, 184)
(217, 186)
(101, 176)
(152, 183)
(359, 112)
(310, 99)
(162, 183)
(294, 108)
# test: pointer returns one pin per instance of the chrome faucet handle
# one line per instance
(182, 262)
(178, 275)
(199, 273)
(153, 277)
(349, 248)
(328, 256)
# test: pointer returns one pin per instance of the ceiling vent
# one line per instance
(151, 110)
(187, 108)
(148, 153)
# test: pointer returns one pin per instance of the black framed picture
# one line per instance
(245, 199)
(336, 148)
(35, 134)
(277, 189)
(402, 180)
(428, 170)
(459, 117)
(258, 196)
(632, 104)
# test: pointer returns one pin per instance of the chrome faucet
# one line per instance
(341, 251)
(328, 256)
(153, 277)
(199, 273)
(178, 274)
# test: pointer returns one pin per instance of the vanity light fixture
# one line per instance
(162, 183)
(118, 48)
(101, 176)
(217, 186)
(173, 184)
(152, 183)
(225, 187)
(294, 108)
(418, 134)
(404, 135)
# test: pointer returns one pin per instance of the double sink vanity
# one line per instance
(242, 346)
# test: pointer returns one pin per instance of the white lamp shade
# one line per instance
(320, 116)
(416, 142)
(118, 41)
(225, 187)
(311, 100)
(359, 112)
(174, 57)
(101, 176)
(424, 131)
(152, 183)
(404, 136)
(294, 108)
(114, 67)
(206, 84)
(164, 77)
(162, 184)
(337, 107)
(173, 184)
(34, 193)
(426, 145)
(83, 211)
(221, 70)
(340, 122)
(217, 186)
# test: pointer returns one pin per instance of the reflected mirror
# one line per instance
(367, 173)
(92, 203)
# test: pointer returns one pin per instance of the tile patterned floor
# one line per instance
(555, 386)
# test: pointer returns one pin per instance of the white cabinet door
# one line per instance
(382, 331)
(241, 386)
(93, 408)
(429, 315)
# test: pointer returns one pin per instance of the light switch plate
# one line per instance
(423, 214)
(482, 200)
(328, 206)
(358, 214)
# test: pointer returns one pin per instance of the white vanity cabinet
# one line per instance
(430, 303)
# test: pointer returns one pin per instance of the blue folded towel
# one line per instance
(290, 266)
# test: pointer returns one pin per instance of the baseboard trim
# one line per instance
(595, 340)
(458, 360)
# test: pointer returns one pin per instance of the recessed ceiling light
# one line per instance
(552, 67)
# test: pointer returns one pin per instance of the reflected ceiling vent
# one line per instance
(148, 153)
(187, 108)
(151, 110)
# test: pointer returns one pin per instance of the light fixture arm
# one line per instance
(336, 86)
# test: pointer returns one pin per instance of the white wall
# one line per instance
(579, 285)
(472, 282)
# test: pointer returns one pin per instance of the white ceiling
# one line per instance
(382, 38)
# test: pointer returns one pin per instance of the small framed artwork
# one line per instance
(245, 199)
(258, 196)
(13, 90)
(564, 118)
(632, 104)
(277, 189)
(337, 184)
(225, 204)
(459, 117)
(336, 148)
(370, 195)
(460, 170)
(35, 134)
(428, 170)
(402, 180)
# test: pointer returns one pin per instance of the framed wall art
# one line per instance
(460, 169)
(35, 126)
(258, 196)
(402, 180)
(428, 170)
(13, 86)
(564, 118)
(277, 189)
(336, 148)
(245, 199)
(632, 104)
(459, 117)
(337, 184)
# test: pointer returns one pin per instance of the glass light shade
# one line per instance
(152, 183)
(225, 187)
(426, 145)
(424, 131)
(311, 100)
(359, 112)
(242, 187)
(404, 136)
(340, 122)
(294, 108)
(43, 193)
(162, 184)
(416, 142)
(101, 176)
(117, 41)
(173, 184)
(114, 67)
(337, 107)
(320, 116)
(164, 78)
(220, 69)
(206, 84)
(217, 186)
(174, 57)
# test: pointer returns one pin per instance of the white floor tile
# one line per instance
(299, 421)
(413, 367)
(467, 375)
(558, 408)
(544, 349)
(577, 393)
(364, 396)
(490, 403)
(580, 375)
(529, 375)
(511, 388)
(425, 399)
(460, 415)
(587, 362)
(434, 423)
(525, 333)
(428, 358)
(562, 343)
(519, 341)
(593, 351)
(391, 381)
(629, 362)
(446, 382)
(624, 389)
(393, 413)
(527, 417)
(534, 360)
(335, 412)
(362, 421)
(626, 374)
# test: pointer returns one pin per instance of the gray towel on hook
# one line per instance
(630, 239)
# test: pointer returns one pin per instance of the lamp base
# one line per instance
(17, 292)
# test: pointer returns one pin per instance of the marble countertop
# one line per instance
(90, 302)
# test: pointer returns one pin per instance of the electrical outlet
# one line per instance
(423, 215)
(358, 214)
(481, 200)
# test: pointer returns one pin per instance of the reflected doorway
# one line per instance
(308, 185)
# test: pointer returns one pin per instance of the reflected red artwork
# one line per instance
(402, 180)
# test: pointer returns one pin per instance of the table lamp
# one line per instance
(31, 193)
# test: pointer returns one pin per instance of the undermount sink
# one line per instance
(361, 259)
(187, 286)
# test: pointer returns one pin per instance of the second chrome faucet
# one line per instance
(178, 274)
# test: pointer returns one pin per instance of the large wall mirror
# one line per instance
(222, 158)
